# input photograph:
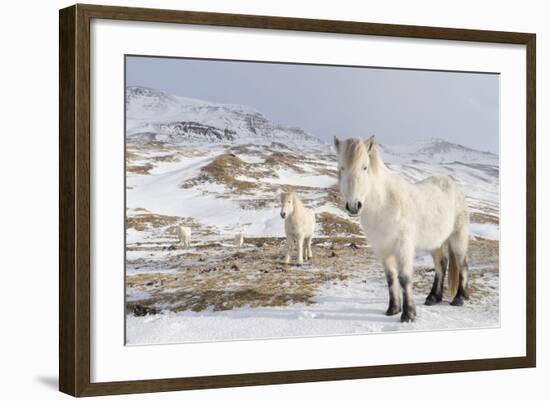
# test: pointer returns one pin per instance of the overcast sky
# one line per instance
(398, 106)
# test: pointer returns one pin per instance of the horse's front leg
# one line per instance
(390, 269)
(405, 275)
(289, 242)
(300, 240)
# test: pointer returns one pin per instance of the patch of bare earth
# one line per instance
(332, 225)
(141, 159)
(280, 159)
(222, 278)
(476, 217)
(160, 225)
(139, 168)
(216, 277)
(226, 170)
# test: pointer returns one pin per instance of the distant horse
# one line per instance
(239, 240)
(299, 226)
(184, 235)
(400, 218)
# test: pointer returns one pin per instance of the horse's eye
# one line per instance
(288, 201)
(341, 168)
(365, 168)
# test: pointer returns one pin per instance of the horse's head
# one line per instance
(287, 204)
(355, 167)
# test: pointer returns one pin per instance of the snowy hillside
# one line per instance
(153, 115)
(219, 169)
(437, 150)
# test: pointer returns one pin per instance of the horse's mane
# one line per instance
(297, 200)
(376, 162)
(357, 149)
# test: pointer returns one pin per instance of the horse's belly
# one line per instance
(380, 236)
(432, 236)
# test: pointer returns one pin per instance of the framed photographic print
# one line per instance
(250, 200)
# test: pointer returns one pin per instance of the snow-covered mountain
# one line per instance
(153, 115)
(437, 150)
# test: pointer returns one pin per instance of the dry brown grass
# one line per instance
(260, 203)
(220, 278)
(147, 220)
(224, 169)
(333, 225)
(138, 160)
(280, 159)
(162, 225)
(223, 279)
(139, 168)
(169, 158)
(476, 217)
(333, 196)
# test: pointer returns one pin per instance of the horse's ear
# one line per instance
(369, 143)
(337, 143)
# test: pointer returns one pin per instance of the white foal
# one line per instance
(239, 240)
(184, 235)
(400, 218)
(299, 226)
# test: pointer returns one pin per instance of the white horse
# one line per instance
(400, 218)
(299, 226)
(184, 235)
(239, 240)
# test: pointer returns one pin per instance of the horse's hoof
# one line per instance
(432, 300)
(407, 317)
(458, 301)
(393, 310)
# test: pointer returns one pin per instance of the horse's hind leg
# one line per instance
(462, 292)
(440, 265)
(390, 269)
(458, 249)
(405, 274)
(309, 254)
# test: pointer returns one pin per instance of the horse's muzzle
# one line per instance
(353, 208)
(283, 215)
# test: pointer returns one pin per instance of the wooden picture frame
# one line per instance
(74, 199)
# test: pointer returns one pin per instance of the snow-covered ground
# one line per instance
(354, 306)
(219, 169)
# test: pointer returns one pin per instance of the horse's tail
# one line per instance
(453, 274)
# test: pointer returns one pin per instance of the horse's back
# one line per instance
(440, 207)
(443, 188)
(443, 182)
(184, 231)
